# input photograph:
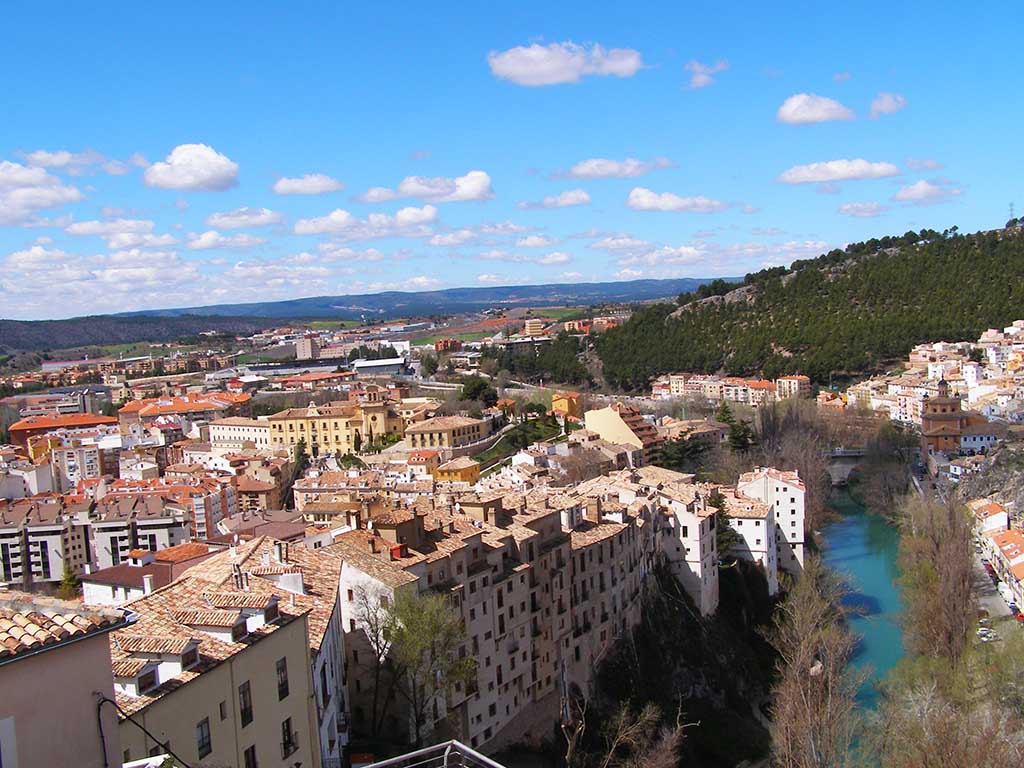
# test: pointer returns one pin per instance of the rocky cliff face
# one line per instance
(1002, 477)
(717, 671)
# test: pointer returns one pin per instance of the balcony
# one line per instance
(449, 754)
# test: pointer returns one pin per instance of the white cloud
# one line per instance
(458, 237)
(642, 199)
(502, 228)
(567, 62)
(569, 276)
(926, 192)
(628, 274)
(619, 243)
(407, 222)
(923, 164)
(310, 184)
(112, 227)
(475, 185)
(805, 108)
(490, 279)
(683, 254)
(534, 241)
(243, 217)
(769, 232)
(569, 197)
(702, 75)
(862, 210)
(193, 167)
(555, 257)
(213, 239)
(24, 190)
(602, 168)
(121, 240)
(887, 103)
(837, 170)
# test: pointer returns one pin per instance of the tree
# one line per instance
(726, 538)
(301, 457)
(70, 587)
(741, 436)
(724, 413)
(478, 388)
(427, 646)
(428, 365)
(377, 624)
(813, 715)
(357, 442)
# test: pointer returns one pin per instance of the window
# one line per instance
(147, 681)
(288, 741)
(282, 679)
(189, 658)
(223, 710)
(238, 631)
(250, 757)
(203, 744)
(245, 703)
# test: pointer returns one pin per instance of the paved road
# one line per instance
(986, 592)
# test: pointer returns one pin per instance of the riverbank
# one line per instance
(864, 549)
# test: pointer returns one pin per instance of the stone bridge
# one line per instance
(841, 462)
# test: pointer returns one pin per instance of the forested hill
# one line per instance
(845, 312)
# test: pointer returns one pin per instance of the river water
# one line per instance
(863, 549)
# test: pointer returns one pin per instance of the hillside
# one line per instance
(392, 304)
(38, 335)
(846, 312)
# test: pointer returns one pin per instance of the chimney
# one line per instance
(373, 545)
(147, 583)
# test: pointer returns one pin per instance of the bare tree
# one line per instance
(813, 719)
(376, 621)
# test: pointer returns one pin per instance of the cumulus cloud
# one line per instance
(213, 239)
(555, 257)
(502, 228)
(310, 184)
(642, 199)
(886, 104)
(25, 190)
(862, 210)
(122, 233)
(923, 164)
(805, 108)
(837, 170)
(475, 185)
(619, 243)
(602, 168)
(407, 222)
(683, 254)
(193, 167)
(556, 63)
(458, 237)
(241, 218)
(489, 279)
(534, 241)
(926, 192)
(565, 199)
(702, 75)
(628, 274)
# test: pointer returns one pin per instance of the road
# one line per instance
(986, 592)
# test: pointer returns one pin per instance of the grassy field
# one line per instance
(331, 325)
(528, 432)
(474, 336)
(559, 313)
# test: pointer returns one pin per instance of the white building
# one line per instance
(236, 433)
(784, 492)
(754, 522)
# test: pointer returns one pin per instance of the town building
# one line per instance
(784, 492)
(534, 326)
(236, 433)
(567, 405)
(793, 386)
(307, 348)
(335, 428)
(460, 470)
(624, 424)
(754, 523)
(446, 432)
(20, 431)
(56, 682)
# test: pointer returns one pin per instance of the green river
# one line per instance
(863, 549)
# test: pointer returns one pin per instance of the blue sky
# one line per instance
(202, 154)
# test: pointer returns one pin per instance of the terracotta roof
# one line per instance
(125, 575)
(181, 552)
(463, 462)
(129, 667)
(30, 623)
(67, 420)
(153, 644)
(207, 618)
(441, 423)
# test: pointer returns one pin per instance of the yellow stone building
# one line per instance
(567, 404)
(333, 428)
(446, 432)
(460, 470)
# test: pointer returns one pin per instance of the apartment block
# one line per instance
(784, 493)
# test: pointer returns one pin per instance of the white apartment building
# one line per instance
(754, 522)
(236, 433)
(784, 492)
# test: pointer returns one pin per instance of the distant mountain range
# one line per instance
(420, 303)
(170, 324)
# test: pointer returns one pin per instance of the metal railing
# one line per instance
(448, 754)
